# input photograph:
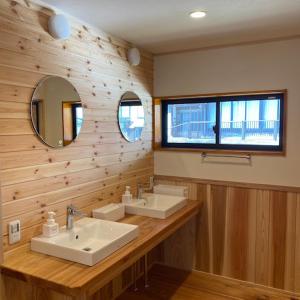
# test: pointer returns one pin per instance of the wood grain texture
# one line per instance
(1, 245)
(180, 250)
(71, 279)
(93, 170)
(247, 233)
(169, 283)
(18, 289)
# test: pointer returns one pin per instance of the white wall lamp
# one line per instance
(134, 56)
(59, 27)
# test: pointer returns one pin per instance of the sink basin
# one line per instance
(156, 205)
(90, 241)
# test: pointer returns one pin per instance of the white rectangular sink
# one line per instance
(90, 241)
(156, 205)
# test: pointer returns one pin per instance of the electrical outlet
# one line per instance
(14, 231)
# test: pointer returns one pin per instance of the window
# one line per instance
(72, 118)
(77, 114)
(239, 122)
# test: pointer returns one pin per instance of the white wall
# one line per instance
(274, 65)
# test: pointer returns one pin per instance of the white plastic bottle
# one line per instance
(50, 228)
(127, 197)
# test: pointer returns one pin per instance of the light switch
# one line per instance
(14, 231)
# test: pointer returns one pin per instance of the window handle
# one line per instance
(215, 129)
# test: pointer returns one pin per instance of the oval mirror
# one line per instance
(131, 116)
(56, 111)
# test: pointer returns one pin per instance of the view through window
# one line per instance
(250, 122)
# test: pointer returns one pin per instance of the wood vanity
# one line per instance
(31, 275)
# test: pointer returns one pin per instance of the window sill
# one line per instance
(218, 151)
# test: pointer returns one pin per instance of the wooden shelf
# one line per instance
(75, 279)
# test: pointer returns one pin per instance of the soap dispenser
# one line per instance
(127, 197)
(50, 228)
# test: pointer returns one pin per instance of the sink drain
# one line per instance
(87, 249)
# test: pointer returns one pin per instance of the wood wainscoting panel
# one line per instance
(1, 244)
(239, 250)
(246, 232)
(182, 252)
(296, 262)
(217, 224)
(93, 170)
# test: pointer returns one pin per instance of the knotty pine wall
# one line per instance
(96, 167)
(245, 231)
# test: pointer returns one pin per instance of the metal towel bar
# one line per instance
(246, 156)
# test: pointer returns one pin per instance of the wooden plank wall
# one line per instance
(95, 169)
(247, 232)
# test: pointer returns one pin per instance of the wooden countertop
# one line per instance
(73, 278)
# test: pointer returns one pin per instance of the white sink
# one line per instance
(90, 241)
(156, 205)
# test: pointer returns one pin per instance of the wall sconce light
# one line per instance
(134, 56)
(59, 27)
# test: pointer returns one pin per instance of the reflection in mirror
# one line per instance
(56, 111)
(131, 116)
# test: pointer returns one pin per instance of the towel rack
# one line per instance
(205, 154)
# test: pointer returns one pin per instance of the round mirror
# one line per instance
(131, 116)
(56, 111)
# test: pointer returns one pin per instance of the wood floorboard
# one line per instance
(170, 283)
(161, 288)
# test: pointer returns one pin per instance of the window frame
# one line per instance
(160, 123)
(74, 118)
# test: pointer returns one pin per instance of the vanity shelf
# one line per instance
(79, 281)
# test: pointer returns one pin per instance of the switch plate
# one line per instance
(14, 231)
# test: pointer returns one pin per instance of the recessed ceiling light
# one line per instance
(197, 14)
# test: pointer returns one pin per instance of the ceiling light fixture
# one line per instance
(197, 14)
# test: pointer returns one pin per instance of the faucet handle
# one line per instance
(145, 187)
(72, 210)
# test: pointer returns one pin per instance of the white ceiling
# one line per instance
(164, 25)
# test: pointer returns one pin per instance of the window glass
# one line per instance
(256, 123)
(131, 120)
(79, 118)
(191, 123)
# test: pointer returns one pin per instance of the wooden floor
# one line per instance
(162, 287)
(170, 283)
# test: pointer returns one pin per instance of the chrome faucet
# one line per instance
(141, 188)
(71, 212)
